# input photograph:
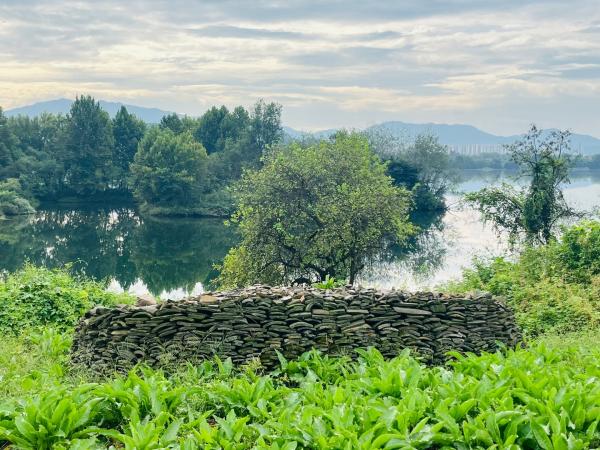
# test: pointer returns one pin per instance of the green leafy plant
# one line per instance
(329, 283)
(35, 296)
(553, 289)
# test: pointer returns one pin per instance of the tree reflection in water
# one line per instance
(118, 244)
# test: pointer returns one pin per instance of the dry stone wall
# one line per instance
(254, 322)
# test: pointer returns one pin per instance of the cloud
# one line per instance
(500, 65)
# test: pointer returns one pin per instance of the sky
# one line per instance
(498, 65)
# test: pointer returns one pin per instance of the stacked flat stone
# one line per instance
(254, 322)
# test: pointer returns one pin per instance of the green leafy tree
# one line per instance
(168, 169)
(423, 167)
(531, 213)
(265, 125)
(13, 201)
(253, 134)
(89, 168)
(41, 166)
(172, 122)
(8, 146)
(315, 212)
(212, 131)
(128, 131)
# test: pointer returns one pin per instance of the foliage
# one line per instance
(554, 288)
(172, 122)
(12, 201)
(33, 361)
(128, 131)
(8, 143)
(42, 151)
(89, 146)
(328, 283)
(423, 167)
(542, 397)
(86, 155)
(33, 297)
(218, 125)
(168, 169)
(532, 213)
(312, 212)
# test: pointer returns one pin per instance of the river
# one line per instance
(175, 257)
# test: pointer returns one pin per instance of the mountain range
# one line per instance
(459, 137)
(63, 105)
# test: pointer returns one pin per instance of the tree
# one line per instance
(314, 212)
(8, 144)
(89, 168)
(168, 169)
(212, 131)
(127, 132)
(172, 122)
(12, 199)
(423, 167)
(531, 213)
(41, 166)
(265, 127)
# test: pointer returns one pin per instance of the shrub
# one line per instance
(553, 288)
(33, 297)
(12, 199)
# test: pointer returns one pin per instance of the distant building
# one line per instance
(476, 149)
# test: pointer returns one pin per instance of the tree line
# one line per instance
(180, 165)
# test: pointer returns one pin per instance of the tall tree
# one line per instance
(532, 213)
(42, 140)
(8, 147)
(89, 168)
(314, 212)
(422, 166)
(212, 131)
(265, 122)
(128, 131)
(172, 122)
(168, 170)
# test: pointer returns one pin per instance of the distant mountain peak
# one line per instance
(63, 106)
(457, 136)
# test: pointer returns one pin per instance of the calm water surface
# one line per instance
(175, 257)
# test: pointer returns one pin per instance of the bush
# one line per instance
(35, 297)
(579, 251)
(554, 288)
(12, 199)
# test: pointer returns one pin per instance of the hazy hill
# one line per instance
(453, 135)
(458, 135)
(63, 105)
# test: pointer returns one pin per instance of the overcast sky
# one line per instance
(496, 64)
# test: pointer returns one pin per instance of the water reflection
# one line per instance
(175, 257)
(161, 255)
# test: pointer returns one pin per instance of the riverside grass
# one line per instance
(546, 396)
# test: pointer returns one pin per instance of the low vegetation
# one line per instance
(12, 199)
(542, 397)
(36, 297)
(553, 288)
